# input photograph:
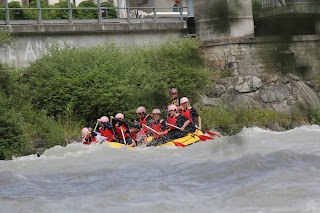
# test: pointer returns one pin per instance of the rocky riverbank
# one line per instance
(268, 91)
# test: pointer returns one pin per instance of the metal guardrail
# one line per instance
(280, 3)
(127, 14)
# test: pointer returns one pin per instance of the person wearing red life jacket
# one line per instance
(121, 128)
(138, 135)
(106, 129)
(178, 120)
(173, 92)
(190, 113)
(159, 128)
(144, 118)
(88, 136)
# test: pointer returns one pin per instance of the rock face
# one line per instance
(281, 93)
(248, 84)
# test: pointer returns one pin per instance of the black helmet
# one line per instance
(136, 125)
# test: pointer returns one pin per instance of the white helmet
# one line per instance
(119, 116)
(85, 131)
(172, 107)
(104, 119)
(141, 109)
(156, 111)
(184, 100)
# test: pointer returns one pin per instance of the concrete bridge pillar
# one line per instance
(224, 19)
(317, 25)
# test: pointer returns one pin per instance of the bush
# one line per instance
(45, 14)
(230, 121)
(63, 13)
(112, 12)
(314, 115)
(14, 14)
(87, 13)
(12, 142)
(107, 80)
(21, 127)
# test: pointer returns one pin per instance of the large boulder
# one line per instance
(304, 94)
(247, 84)
(274, 93)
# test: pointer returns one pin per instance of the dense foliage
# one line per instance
(23, 129)
(56, 11)
(107, 79)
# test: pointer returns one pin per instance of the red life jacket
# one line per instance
(144, 121)
(107, 133)
(92, 139)
(186, 113)
(124, 129)
(156, 127)
(172, 120)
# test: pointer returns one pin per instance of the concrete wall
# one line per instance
(224, 18)
(32, 41)
(257, 55)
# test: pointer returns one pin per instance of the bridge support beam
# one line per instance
(191, 21)
(224, 19)
(317, 25)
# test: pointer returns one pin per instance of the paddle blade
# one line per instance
(204, 138)
(211, 133)
(179, 144)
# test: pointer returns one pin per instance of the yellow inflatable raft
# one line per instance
(187, 140)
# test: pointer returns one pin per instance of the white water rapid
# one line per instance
(254, 171)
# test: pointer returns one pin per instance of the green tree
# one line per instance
(32, 14)
(87, 13)
(63, 13)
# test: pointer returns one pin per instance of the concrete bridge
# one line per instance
(148, 23)
(134, 24)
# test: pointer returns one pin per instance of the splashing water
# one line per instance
(254, 171)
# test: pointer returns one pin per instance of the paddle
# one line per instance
(178, 144)
(124, 139)
(201, 137)
(175, 143)
(210, 133)
(96, 126)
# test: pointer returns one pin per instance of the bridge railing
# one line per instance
(280, 3)
(124, 14)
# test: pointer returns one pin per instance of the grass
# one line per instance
(230, 121)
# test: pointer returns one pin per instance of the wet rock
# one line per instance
(275, 127)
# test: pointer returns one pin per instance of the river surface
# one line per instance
(254, 171)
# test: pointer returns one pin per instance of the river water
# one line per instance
(254, 171)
